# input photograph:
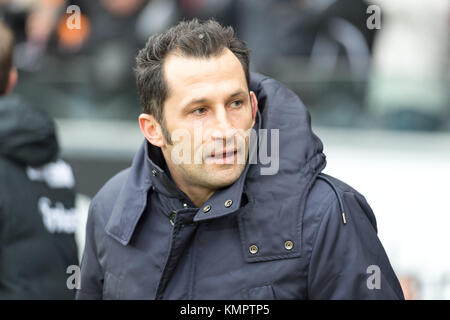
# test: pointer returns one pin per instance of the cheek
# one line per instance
(245, 120)
(171, 124)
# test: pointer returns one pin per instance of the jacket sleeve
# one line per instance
(348, 260)
(91, 285)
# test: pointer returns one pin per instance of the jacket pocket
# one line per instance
(261, 293)
(111, 287)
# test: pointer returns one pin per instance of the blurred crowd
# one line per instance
(350, 74)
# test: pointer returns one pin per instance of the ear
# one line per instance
(151, 130)
(254, 102)
(12, 80)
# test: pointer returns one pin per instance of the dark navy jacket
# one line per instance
(297, 234)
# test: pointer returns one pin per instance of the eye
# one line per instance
(199, 111)
(237, 103)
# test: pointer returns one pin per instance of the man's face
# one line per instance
(207, 113)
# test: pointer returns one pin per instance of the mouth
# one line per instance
(224, 154)
(226, 157)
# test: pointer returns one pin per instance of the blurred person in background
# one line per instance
(37, 215)
(89, 67)
(410, 286)
(33, 22)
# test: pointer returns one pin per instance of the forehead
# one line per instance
(190, 77)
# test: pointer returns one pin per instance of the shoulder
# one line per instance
(103, 202)
(340, 251)
(334, 200)
(113, 186)
(325, 192)
(323, 182)
(337, 217)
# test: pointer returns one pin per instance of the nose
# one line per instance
(222, 127)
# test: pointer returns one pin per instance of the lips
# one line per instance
(225, 154)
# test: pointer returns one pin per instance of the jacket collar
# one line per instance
(225, 201)
(131, 201)
(160, 175)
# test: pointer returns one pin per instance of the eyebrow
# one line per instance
(204, 100)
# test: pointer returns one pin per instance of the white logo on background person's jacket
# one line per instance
(57, 218)
(55, 174)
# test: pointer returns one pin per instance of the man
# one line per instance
(37, 216)
(191, 220)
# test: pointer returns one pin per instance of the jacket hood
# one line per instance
(277, 200)
(27, 135)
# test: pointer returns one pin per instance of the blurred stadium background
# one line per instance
(379, 97)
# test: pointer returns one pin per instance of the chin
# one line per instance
(224, 177)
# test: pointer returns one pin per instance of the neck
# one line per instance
(198, 194)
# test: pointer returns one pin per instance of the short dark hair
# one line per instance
(6, 55)
(193, 39)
